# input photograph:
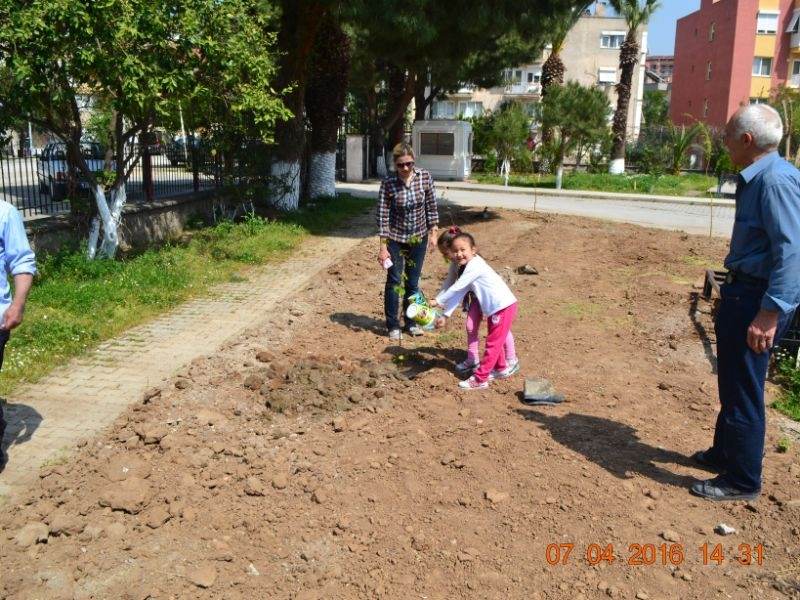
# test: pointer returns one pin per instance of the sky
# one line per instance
(661, 30)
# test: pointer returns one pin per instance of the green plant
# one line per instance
(789, 400)
(783, 445)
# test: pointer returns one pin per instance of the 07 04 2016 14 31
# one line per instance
(645, 555)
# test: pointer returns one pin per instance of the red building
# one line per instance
(729, 53)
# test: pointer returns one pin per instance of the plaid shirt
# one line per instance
(407, 211)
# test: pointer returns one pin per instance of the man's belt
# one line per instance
(739, 277)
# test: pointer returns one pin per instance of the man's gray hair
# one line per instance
(762, 122)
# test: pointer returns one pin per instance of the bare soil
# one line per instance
(313, 459)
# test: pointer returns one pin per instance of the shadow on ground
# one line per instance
(614, 446)
(356, 322)
(708, 346)
(18, 422)
(412, 361)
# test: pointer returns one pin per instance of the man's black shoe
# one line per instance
(3, 459)
(702, 458)
(719, 490)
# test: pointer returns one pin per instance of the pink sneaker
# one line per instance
(473, 384)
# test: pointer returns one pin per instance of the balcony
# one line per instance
(523, 89)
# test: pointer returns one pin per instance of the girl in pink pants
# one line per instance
(474, 315)
(493, 297)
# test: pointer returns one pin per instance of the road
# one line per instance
(663, 215)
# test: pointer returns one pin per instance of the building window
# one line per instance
(443, 109)
(767, 22)
(607, 76)
(705, 107)
(437, 144)
(712, 30)
(758, 100)
(517, 76)
(708, 71)
(796, 67)
(612, 39)
(467, 109)
(762, 66)
(794, 22)
(530, 77)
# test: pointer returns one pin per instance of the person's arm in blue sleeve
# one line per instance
(781, 218)
(20, 262)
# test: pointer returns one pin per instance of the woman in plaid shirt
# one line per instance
(407, 226)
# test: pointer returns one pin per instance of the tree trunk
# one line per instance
(106, 221)
(628, 57)
(324, 102)
(552, 74)
(401, 91)
(559, 175)
(300, 21)
(505, 170)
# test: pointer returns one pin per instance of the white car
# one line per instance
(57, 178)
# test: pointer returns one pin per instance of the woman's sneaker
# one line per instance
(395, 334)
(511, 368)
(473, 384)
(467, 366)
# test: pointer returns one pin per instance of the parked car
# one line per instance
(180, 149)
(58, 178)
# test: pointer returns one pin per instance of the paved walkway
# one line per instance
(690, 215)
(78, 400)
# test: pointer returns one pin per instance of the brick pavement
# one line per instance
(78, 400)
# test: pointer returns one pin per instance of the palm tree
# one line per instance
(553, 67)
(681, 139)
(636, 14)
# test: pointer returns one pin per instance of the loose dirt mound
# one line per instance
(313, 459)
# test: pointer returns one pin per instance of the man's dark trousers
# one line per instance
(741, 373)
(4, 335)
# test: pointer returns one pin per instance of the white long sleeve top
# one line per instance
(478, 277)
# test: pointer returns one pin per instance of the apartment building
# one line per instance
(733, 52)
(590, 56)
(661, 66)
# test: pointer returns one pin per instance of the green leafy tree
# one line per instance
(431, 46)
(553, 68)
(508, 134)
(655, 109)
(636, 14)
(786, 101)
(138, 56)
(682, 138)
(577, 117)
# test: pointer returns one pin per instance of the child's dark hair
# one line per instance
(446, 238)
(463, 235)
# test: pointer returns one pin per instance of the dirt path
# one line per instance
(82, 398)
(311, 459)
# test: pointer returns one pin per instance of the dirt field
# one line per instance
(311, 459)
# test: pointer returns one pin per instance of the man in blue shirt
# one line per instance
(17, 258)
(759, 297)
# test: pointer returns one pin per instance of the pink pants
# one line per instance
(494, 354)
(473, 325)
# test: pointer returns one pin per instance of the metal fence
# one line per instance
(39, 187)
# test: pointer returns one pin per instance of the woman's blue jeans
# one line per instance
(407, 260)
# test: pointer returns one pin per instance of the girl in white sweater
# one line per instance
(473, 316)
(496, 302)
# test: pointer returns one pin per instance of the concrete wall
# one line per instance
(142, 226)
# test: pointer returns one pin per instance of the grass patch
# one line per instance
(579, 310)
(789, 401)
(692, 185)
(75, 303)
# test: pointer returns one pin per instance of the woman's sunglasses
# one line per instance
(404, 165)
